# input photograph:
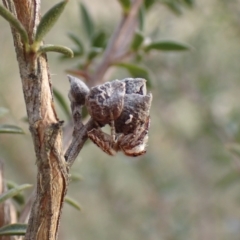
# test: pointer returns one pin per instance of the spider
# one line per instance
(132, 144)
(124, 105)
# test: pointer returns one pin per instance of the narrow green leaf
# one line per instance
(174, 6)
(126, 5)
(76, 177)
(19, 198)
(73, 203)
(148, 3)
(75, 54)
(13, 229)
(94, 51)
(137, 40)
(7, 15)
(190, 3)
(167, 45)
(136, 71)
(62, 102)
(3, 111)
(78, 42)
(87, 21)
(13, 192)
(141, 18)
(5, 128)
(56, 48)
(99, 40)
(48, 20)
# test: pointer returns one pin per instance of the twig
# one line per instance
(77, 95)
(77, 142)
(118, 44)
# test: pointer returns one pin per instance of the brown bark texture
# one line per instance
(45, 128)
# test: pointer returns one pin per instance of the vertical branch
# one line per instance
(119, 42)
(46, 129)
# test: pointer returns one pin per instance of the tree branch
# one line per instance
(118, 44)
(52, 177)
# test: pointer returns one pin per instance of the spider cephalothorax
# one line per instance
(105, 102)
(124, 105)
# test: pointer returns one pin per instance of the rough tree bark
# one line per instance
(52, 179)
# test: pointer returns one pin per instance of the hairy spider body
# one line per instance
(135, 113)
(105, 102)
(124, 105)
(132, 144)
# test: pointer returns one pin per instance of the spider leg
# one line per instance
(113, 131)
(134, 144)
(103, 141)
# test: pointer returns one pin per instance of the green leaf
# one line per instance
(167, 45)
(13, 192)
(62, 102)
(19, 198)
(56, 48)
(174, 6)
(190, 3)
(137, 40)
(78, 42)
(94, 51)
(13, 229)
(3, 111)
(148, 3)
(87, 21)
(141, 18)
(126, 5)
(7, 15)
(76, 177)
(136, 71)
(73, 203)
(99, 40)
(5, 128)
(48, 20)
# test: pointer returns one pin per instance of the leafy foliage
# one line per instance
(167, 45)
(7, 128)
(137, 51)
(13, 192)
(73, 203)
(15, 229)
(48, 20)
(87, 20)
(62, 102)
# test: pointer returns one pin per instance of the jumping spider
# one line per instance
(124, 105)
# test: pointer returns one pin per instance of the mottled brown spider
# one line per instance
(124, 105)
(132, 144)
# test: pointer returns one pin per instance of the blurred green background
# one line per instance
(186, 186)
